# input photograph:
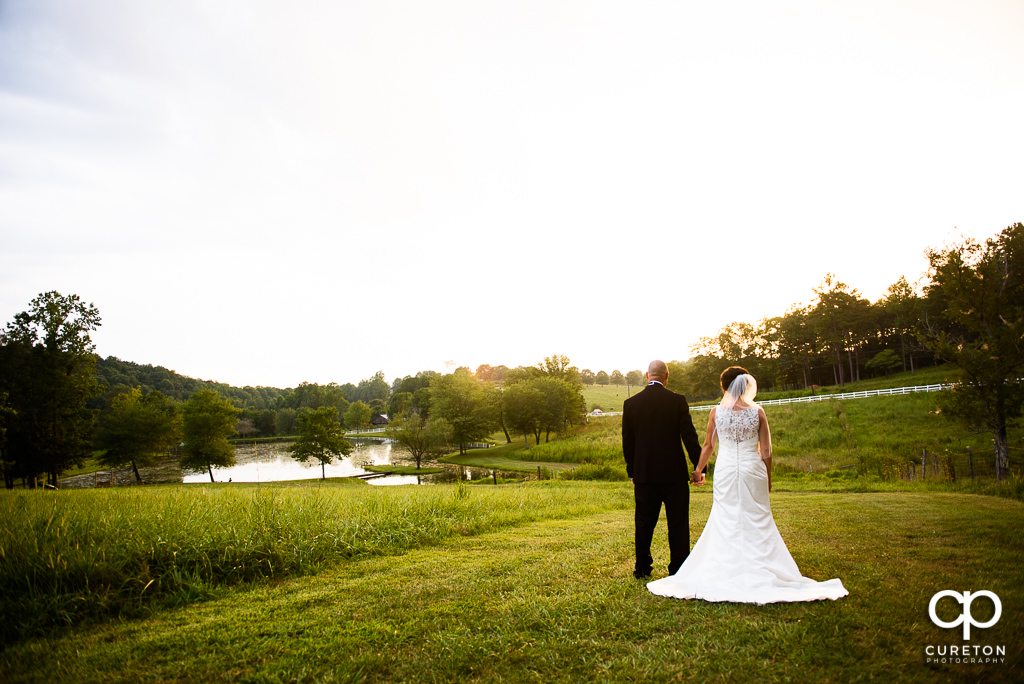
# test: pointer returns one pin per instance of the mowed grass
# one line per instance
(514, 456)
(552, 600)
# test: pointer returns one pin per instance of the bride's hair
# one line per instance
(730, 374)
(737, 384)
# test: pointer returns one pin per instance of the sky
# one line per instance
(267, 193)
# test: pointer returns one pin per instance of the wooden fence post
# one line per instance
(935, 463)
(970, 460)
(924, 463)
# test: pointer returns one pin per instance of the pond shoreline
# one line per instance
(369, 458)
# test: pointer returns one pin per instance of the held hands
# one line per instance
(697, 479)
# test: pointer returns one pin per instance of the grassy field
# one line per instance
(545, 594)
(610, 397)
(876, 436)
(607, 397)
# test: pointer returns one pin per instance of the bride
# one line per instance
(740, 556)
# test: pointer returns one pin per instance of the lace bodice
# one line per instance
(737, 425)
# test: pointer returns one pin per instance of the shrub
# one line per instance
(596, 471)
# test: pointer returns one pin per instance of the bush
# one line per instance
(596, 471)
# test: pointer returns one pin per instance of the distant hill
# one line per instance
(114, 373)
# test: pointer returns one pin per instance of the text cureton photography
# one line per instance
(964, 653)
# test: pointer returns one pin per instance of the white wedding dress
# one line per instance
(740, 556)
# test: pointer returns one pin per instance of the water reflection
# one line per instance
(272, 463)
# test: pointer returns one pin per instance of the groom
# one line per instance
(656, 424)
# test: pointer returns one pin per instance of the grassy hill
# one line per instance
(884, 437)
(610, 397)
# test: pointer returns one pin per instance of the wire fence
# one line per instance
(951, 466)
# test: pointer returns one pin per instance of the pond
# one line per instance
(272, 463)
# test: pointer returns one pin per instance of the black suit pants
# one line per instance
(649, 499)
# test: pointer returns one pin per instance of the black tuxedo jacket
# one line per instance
(656, 424)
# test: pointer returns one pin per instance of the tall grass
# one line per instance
(71, 555)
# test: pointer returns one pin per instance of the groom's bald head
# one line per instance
(657, 370)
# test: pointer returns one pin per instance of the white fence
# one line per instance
(818, 397)
(845, 395)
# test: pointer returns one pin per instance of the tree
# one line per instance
(979, 289)
(558, 405)
(617, 379)
(904, 305)
(634, 378)
(459, 398)
(521, 408)
(558, 366)
(836, 317)
(697, 377)
(798, 345)
(137, 429)
(399, 405)
(421, 402)
(423, 438)
(493, 396)
(372, 388)
(266, 422)
(47, 369)
(208, 420)
(885, 361)
(6, 415)
(601, 378)
(587, 376)
(245, 428)
(286, 421)
(357, 415)
(321, 437)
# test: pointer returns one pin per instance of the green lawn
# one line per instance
(505, 457)
(552, 600)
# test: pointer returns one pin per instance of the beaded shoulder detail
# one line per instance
(737, 425)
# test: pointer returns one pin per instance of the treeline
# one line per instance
(839, 337)
(263, 411)
(460, 408)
